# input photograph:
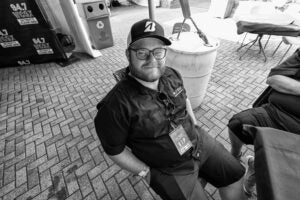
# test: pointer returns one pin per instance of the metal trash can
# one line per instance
(97, 17)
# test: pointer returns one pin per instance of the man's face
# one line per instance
(150, 69)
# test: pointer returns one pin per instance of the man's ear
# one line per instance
(127, 54)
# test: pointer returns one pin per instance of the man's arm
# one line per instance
(190, 111)
(284, 84)
(128, 161)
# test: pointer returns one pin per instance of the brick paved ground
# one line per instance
(48, 145)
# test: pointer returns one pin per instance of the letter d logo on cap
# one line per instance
(149, 27)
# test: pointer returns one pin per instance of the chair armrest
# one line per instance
(120, 74)
(263, 98)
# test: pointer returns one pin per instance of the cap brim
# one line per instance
(165, 40)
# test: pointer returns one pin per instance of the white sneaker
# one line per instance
(249, 179)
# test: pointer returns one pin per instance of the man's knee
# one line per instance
(235, 126)
(164, 185)
(173, 187)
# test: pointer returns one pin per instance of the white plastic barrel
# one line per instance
(194, 61)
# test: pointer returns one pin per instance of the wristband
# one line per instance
(144, 172)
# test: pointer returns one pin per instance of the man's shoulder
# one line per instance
(120, 94)
(172, 73)
(290, 67)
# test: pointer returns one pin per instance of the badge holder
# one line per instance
(180, 139)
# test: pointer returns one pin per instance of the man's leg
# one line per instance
(236, 145)
(177, 187)
(233, 191)
(222, 170)
(238, 137)
(256, 117)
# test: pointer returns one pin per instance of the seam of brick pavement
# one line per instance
(48, 145)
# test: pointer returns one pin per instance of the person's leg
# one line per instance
(236, 145)
(222, 170)
(255, 117)
(177, 187)
(233, 191)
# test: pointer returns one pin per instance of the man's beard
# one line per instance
(147, 77)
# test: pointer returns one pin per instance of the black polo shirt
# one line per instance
(134, 115)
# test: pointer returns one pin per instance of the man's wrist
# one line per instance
(143, 173)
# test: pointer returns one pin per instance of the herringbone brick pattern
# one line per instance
(48, 145)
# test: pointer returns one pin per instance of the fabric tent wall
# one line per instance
(25, 35)
(55, 15)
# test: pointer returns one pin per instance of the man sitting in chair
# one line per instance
(279, 108)
(148, 111)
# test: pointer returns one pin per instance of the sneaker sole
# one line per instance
(248, 193)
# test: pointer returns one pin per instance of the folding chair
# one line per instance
(263, 98)
(288, 41)
(120, 74)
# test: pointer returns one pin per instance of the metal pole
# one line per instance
(151, 9)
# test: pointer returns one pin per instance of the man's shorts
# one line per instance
(217, 166)
(254, 116)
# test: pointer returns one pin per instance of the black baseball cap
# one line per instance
(144, 29)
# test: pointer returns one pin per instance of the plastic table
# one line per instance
(272, 24)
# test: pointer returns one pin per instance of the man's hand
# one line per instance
(284, 84)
